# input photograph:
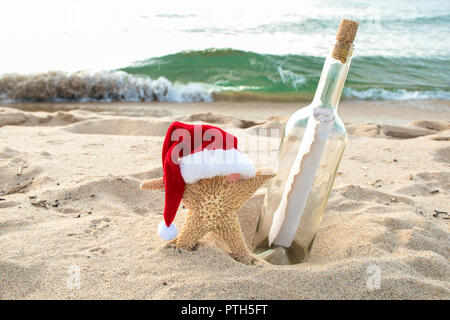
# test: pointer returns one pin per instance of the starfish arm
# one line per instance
(230, 232)
(245, 189)
(193, 230)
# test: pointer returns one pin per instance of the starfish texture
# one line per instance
(213, 205)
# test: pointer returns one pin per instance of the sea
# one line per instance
(189, 51)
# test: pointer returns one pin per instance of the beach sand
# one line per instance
(69, 201)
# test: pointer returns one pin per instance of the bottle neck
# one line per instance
(331, 83)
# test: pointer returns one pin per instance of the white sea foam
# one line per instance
(290, 78)
(96, 86)
(398, 94)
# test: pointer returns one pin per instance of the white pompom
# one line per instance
(167, 232)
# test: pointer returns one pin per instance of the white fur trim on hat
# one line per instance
(218, 162)
(167, 232)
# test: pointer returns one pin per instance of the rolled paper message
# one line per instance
(299, 184)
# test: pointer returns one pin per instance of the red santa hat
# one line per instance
(191, 153)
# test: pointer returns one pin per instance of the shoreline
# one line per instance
(386, 111)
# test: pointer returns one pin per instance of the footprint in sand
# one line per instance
(88, 251)
(18, 281)
(432, 125)
(45, 154)
(97, 225)
(121, 126)
(7, 204)
(56, 142)
(442, 155)
(93, 145)
(364, 129)
(8, 153)
(427, 184)
(405, 132)
(210, 117)
(17, 173)
(97, 250)
(107, 194)
(353, 198)
(100, 224)
(414, 129)
(445, 136)
(140, 148)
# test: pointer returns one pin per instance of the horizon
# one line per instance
(399, 53)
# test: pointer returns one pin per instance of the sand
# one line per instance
(69, 202)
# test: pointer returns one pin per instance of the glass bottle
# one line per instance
(311, 148)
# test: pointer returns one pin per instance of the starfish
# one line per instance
(213, 204)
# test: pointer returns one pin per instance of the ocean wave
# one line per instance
(398, 94)
(298, 75)
(230, 68)
(96, 86)
(290, 78)
(228, 74)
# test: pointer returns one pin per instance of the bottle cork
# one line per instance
(344, 40)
